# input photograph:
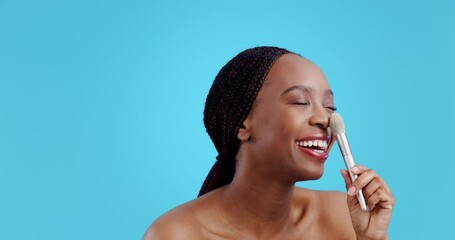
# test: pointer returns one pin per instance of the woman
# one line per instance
(264, 109)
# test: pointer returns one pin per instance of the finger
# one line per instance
(347, 179)
(362, 180)
(358, 169)
(352, 201)
(388, 201)
(374, 185)
(381, 198)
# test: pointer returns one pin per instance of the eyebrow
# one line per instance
(304, 88)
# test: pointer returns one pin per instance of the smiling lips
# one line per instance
(315, 148)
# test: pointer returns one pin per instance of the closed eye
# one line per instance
(333, 109)
(301, 103)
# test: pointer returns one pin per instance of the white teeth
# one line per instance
(321, 143)
(314, 143)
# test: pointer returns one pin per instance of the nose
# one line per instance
(320, 117)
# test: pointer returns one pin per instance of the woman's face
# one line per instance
(288, 124)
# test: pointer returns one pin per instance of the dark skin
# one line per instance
(262, 202)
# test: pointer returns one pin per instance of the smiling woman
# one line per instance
(268, 114)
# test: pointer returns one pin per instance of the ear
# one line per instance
(245, 130)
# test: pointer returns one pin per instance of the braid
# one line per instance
(227, 105)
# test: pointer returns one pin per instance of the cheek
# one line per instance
(278, 125)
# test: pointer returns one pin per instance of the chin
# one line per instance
(307, 175)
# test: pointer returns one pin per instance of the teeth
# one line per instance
(314, 143)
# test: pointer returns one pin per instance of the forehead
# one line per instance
(291, 70)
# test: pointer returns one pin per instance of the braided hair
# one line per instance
(227, 105)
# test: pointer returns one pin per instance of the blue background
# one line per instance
(101, 105)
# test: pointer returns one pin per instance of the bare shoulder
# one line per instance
(327, 200)
(335, 212)
(192, 220)
(331, 213)
(178, 223)
(334, 200)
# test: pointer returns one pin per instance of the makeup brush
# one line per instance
(337, 126)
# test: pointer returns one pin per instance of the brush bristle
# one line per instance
(336, 123)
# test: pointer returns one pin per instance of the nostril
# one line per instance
(321, 125)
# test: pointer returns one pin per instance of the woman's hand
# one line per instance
(372, 224)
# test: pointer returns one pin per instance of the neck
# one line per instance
(257, 203)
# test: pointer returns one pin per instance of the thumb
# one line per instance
(352, 201)
(347, 179)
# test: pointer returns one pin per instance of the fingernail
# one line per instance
(351, 190)
(354, 169)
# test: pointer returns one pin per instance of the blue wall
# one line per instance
(101, 104)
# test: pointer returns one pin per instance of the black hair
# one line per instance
(227, 105)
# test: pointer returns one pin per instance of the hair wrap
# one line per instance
(227, 105)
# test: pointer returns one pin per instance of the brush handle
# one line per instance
(349, 161)
(345, 149)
